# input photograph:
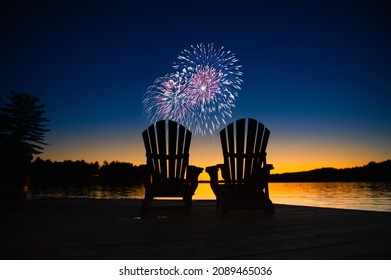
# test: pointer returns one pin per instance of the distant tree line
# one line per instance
(53, 173)
(372, 172)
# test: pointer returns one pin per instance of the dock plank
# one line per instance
(113, 229)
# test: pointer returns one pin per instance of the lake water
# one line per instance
(351, 195)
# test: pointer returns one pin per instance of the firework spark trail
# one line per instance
(167, 99)
(201, 94)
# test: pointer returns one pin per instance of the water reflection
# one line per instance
(90, 192)
(346, 195)
(350, 195)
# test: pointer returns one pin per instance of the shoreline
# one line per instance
(197, 200)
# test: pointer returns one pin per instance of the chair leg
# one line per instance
(269, 207)
(188, 204)
(217, 203)
(145, 205)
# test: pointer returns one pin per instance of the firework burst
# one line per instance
(201, 94)
(167, 98)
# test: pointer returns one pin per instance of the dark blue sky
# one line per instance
(317, 73)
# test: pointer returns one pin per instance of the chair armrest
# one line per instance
(192, 178)
(214, 168)
(214, 180)
(194, 171)
(213, 173)
(265, 171)
(269, 167)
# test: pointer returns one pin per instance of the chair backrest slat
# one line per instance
(172, 148)
(148, 150)
(224, 147)
(265, 140)
(240, 135)
(250, 147)
(258, 143)
(231, 151)
(161, 137)
(185, 162)
(180, 161)
(153, 156)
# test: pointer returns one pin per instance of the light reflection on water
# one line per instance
(90, 192)
(346, 195)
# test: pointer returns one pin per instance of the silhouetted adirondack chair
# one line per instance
(167, 172)
(245, 171)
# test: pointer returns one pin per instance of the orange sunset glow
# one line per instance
(287, 155)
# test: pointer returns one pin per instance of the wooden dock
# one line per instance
(112, 229)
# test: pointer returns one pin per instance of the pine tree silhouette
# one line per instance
(22, 131)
